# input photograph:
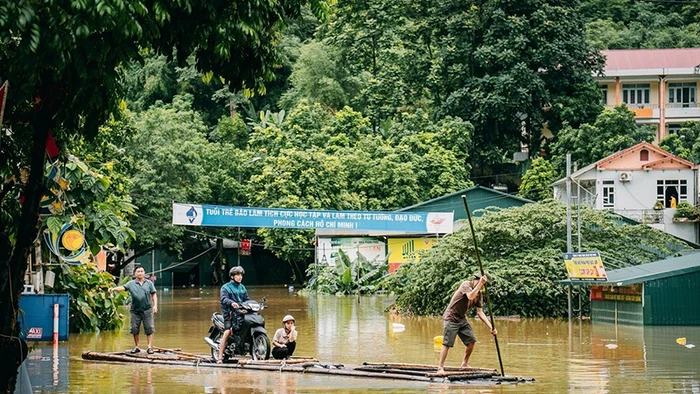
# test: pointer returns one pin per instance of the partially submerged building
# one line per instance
(664, 292)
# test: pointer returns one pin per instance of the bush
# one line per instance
(685, 210)
(359, 276)
(92, 307)
(521, 250)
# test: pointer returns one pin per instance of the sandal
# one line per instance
(135, 350)
(149, 351)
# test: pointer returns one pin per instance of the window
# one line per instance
(666, 189)
(604, 94)
(644, 155)
(608, 194)
(673, 128)
(682, 94)
(636, 94)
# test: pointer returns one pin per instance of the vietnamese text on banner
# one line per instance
(217, 215)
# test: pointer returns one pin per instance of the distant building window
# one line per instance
(682, 94)
(608, 194)
(636, 94)
(673, 128)
(644, 155)
(666, 189)
(604, 94)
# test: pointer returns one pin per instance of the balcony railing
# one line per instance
(646, 216)
(682, 105)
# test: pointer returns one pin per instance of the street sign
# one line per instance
(585, 266)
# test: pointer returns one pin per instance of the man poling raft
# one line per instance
(468, 295)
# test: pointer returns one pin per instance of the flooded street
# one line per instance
(580, 357)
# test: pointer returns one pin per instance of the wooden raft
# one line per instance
(309, 365)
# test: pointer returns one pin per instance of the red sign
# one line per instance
(629, 293)
(245, 247)
(34, 333)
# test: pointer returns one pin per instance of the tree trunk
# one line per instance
(13, 350)
(298, 272)
(123, 263)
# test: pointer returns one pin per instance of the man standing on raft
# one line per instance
(467, 296)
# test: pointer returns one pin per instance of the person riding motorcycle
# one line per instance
(232, 294)
(285, 339)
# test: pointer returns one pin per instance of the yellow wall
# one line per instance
(403, 250)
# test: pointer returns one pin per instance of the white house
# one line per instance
(630, 183)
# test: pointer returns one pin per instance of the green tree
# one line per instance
(309, 179)
(75, 50)
(685, 143)
(623, 24)
(171, 157)
(614, 130)
(92, 307)
(364, 34)
(521, 252)
(317, 76)
(509, 68)
(536, 180)
(359, 276)
(232, 130)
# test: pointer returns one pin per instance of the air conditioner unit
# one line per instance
(625, 176)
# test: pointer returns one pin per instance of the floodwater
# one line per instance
(577, 358)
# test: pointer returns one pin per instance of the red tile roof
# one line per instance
(635, 59)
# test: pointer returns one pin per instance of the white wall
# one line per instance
(640, 191)
(686, 231)
(636, 198)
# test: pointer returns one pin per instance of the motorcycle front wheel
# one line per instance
(260, 347)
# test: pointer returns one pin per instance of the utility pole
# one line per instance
(568, 221)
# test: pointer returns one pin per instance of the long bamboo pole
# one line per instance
(486, 290)
(421, 367)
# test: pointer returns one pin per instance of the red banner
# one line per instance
(245, 247)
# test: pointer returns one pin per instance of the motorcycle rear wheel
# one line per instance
(260, 347)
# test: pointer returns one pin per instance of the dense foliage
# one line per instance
(624, 24)
(64, 63)
(92, 307)
(685, 143)
(359, 276)
(521, 251)
(537, 180)
(386, 104)
(613, 130)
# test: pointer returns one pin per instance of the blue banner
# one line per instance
(218, 215)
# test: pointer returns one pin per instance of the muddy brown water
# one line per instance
(580, 357)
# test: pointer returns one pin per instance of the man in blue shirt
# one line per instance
(232, 294)
(144, 304)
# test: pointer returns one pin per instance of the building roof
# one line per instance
(646, 272)
(663, 160)
(478, 198)
(662, 61)
(495, 198)
(661, 157)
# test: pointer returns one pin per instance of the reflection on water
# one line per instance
(562, 357)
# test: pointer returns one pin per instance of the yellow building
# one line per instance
(659, 85)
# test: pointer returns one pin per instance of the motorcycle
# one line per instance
(250, 339)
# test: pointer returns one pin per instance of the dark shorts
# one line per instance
(452, 329)
(233, 320)
(137, 317)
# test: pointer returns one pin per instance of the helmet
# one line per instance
(288, 318)
(236, 270)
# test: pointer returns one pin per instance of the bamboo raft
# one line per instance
(310, 365)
